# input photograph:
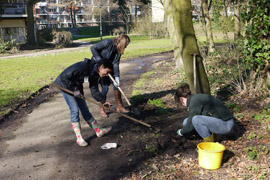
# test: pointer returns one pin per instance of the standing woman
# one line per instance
(206, 114)
(111, 50)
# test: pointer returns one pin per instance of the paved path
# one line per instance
(41, 145)
(78, 44)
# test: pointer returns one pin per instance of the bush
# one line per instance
(7, 45)
(45, 35)
(145, 26)
(62, 39)
(257, 44)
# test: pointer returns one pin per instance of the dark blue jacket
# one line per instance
(106, 49)
(74, 75)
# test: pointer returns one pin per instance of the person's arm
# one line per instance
(194, 109)
(116, 62)
(93, 85)
(97, 48)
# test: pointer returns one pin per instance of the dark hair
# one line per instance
(182, 91)
(106, 63)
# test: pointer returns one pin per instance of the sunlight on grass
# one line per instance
(20, 77)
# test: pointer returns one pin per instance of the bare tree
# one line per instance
(180, 12)
(237, 21)
(208, 27)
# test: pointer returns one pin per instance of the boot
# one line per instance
(119, 103)
(77, 129)
(99, 131)
(102, 112)
(209, 138)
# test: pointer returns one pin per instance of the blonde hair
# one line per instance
(121, 43)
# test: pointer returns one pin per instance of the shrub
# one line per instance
(62, 39)
(45, 35)
(7, 45)
(145, 26)
(257, 43)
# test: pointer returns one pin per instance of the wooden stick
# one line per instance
(99, 104)
(119, 89)
(194, 72)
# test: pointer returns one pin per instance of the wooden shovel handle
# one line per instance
(99, 104)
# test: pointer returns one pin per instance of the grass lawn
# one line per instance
(20, 77)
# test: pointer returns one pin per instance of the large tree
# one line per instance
(171, 29)
(180, 10)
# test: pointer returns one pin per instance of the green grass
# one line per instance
(20, 77)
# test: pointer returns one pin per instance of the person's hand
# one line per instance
(117, 79)
(77, 93)
(179, 132)
(107, 105)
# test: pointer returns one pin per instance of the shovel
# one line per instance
(98, 104)
(132, 110)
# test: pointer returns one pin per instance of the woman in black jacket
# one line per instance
(111, 50)
(206, 114)
(72, 78)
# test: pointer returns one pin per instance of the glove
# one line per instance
(179, 132)
(77, 93)
(107, 105)
(117, 79)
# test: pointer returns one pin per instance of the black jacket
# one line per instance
(207, 105)
(106, 49)
(74, 75)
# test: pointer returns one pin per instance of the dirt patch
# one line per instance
(247, 147)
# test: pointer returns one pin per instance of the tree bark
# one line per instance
(172, 33)
(208, 25)
(187, 42)
(237, 22)
(30, 24)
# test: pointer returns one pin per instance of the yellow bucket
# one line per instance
(210, 155)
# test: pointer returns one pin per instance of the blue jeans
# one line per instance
(105, 89)
(206, 125)
(76, 104)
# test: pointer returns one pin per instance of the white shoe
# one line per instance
(81, 142)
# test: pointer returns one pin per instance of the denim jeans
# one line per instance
(76, 104)
(205, 125)
(105, 89)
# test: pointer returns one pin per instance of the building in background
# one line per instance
(57, 13)
(13, 20)
(157, 11)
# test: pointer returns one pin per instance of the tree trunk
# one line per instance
(71, 16)
(136, 12)
(226, 15)
(172, 33)
(237, 22)
(208, 25)
(187, 42)
(74, 19)
(30, 24)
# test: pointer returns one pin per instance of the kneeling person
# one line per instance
(207, 115)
